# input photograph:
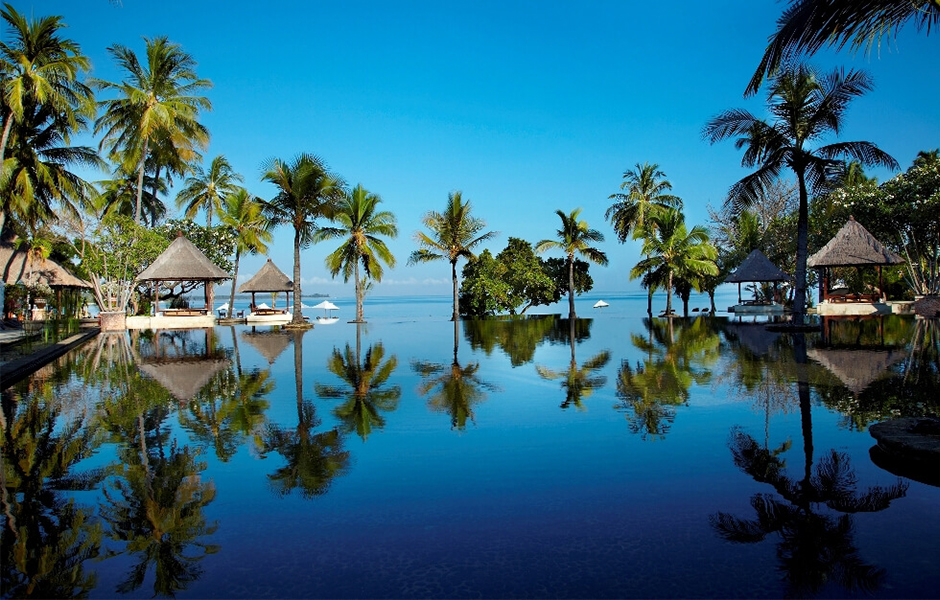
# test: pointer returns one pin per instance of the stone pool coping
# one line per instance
(16, 370)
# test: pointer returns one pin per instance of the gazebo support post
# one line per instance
(881, 285)
(739, 292)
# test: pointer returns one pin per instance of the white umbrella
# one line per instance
(223, 307)
(327, 305)
(263, 305)
(600, 304)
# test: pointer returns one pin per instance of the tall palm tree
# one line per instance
(207, 189)
(306, 191)
(243, 213)
(157, 100)
(805, 107)
(673, 250)
(808, 25)
(119, 196)
(39, 73)
(361, 224)
(453, 235)
(646, 196)
(574, 237)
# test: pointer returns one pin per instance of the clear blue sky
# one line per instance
(527, 107)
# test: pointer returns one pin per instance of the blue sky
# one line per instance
(527, 107)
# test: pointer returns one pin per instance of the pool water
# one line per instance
(615, 456)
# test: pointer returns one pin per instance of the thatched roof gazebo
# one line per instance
(21, 267)
(270, 344)
(183, 261)
(268, 279)
(852, 246)
(756, 268)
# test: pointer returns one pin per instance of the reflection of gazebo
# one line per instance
(271, 344)
(18, 266)
(183, 370)
(268, 279)
(756, 268)
(183, 261)
(852, 246)
(857, 369)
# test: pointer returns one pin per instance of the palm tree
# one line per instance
(453, 235)
(674, 250)
(306, 192)
(40, 73)
(361, 224)
(207, 189)
(808, 25)
(646, 196)
(578, 382)
(118, 196)
(574, 237)
(243, 213)
(156, 101)
(805, 107)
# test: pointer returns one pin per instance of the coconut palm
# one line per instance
(306, 191)
(453, 235)
(361, 224)
(39, 73)
(805, 107)
(243, 213)
(646, 195)
(206, 189)
(119, 196)
(674, 250)
(808, 25)
(574, 237)
(156, 101)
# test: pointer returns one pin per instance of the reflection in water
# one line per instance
(678, 355)
(518, 337)
(816, 547)
(364, 392)
(154, 504)
(453, 389)
(46, 537)
(578, 382)
(313, 459)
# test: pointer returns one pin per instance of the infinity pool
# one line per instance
(608, 457)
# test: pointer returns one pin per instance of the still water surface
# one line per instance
(609, 457)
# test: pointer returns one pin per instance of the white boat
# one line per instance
(601, 304)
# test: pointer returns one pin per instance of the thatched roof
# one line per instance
(271, 344)
(17, 266)
(857, 369)
(757, 267)
(183, 261)
(268, 279)
(184, 378)
(853, 246)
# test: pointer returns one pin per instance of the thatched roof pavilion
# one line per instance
(756, 267)
(268, 279)
(183, 261)
(17, 266)
(852, 246)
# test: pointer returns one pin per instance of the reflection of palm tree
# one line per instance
(815, 548)
(458, 388)
(578, 382)
(313, 459)
(364, 394)
(157, 512)
(45, 539)
(676, 359)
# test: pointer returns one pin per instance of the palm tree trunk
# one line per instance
(571, 314)
(298, 318)
(359, 318)
(669, 295)
(140, 180)
(231, 303)
(802, 226)
(453, 269)
(156, 182)
(3, 148)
